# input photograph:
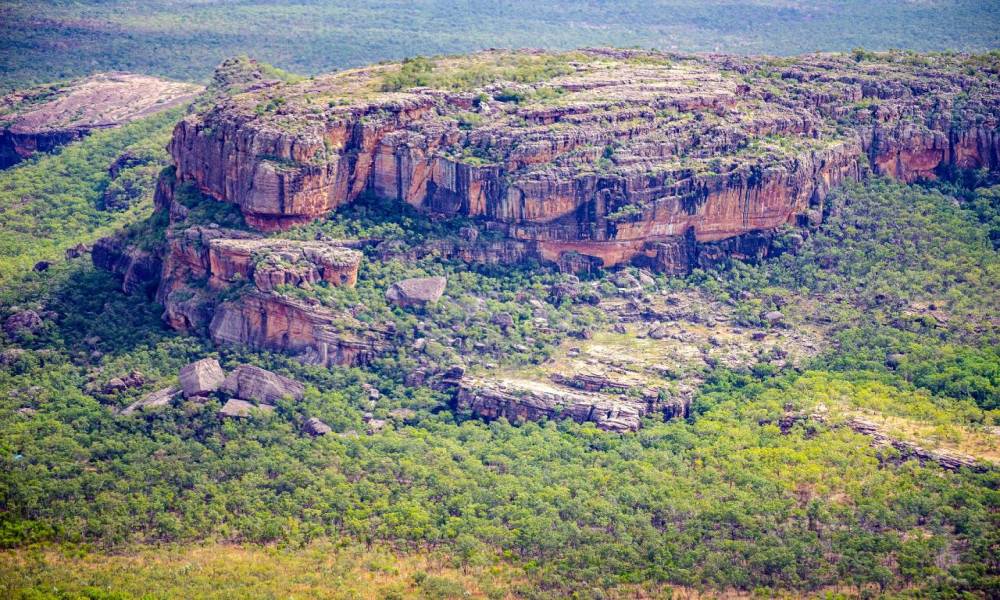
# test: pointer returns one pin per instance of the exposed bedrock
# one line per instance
(202, 262)
(314, 334)
(599, 402)
(201, 265)
(43, 118)
(624, 159)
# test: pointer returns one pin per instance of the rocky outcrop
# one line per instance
(532, 401)
(248, 382)
(201, 263)
(270, 263)
(236, 408)
(416, 292)
(650, 161)
(315, 334)
(315, 427)
(44, 118)
(951, 461)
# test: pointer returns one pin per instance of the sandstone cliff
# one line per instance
(619, 156)
(202, 262)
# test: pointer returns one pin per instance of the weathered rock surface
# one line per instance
(315, 427)
(952, 461)
(201, 377)
(532, 401)
(318, 335)
(198, 263)
(248, 382)
(43, 118)
(236, 408)
(633, 160)
(416, 292)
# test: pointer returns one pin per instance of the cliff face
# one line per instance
(589, 159)
(202, 262)
(615, 156)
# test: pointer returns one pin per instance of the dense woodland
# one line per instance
(54, 39)
(722, 500)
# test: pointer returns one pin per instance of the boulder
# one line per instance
(315, 427)
(119, 384)
(416, 292)
(504, 320)
(241, 408)
(248, 382)
(658, 332)
(201, 377)
(774, 317)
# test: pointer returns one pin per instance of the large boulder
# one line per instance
(248, 382)
(241, 408)
(201, 377)
(416, 292)
(315, 427)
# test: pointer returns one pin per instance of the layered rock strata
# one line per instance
(522, 400)
(621, 156)
(203, 264)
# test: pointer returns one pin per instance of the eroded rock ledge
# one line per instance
(523, 400)
(203, 262)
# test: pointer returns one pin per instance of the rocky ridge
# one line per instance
(43, 118)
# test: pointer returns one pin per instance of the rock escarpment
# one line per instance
(44, 118)
(203, 264)
(590, 159)
(617, 156)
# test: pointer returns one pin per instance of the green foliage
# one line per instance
(420, 71)
(885, 256)
(55, 201)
